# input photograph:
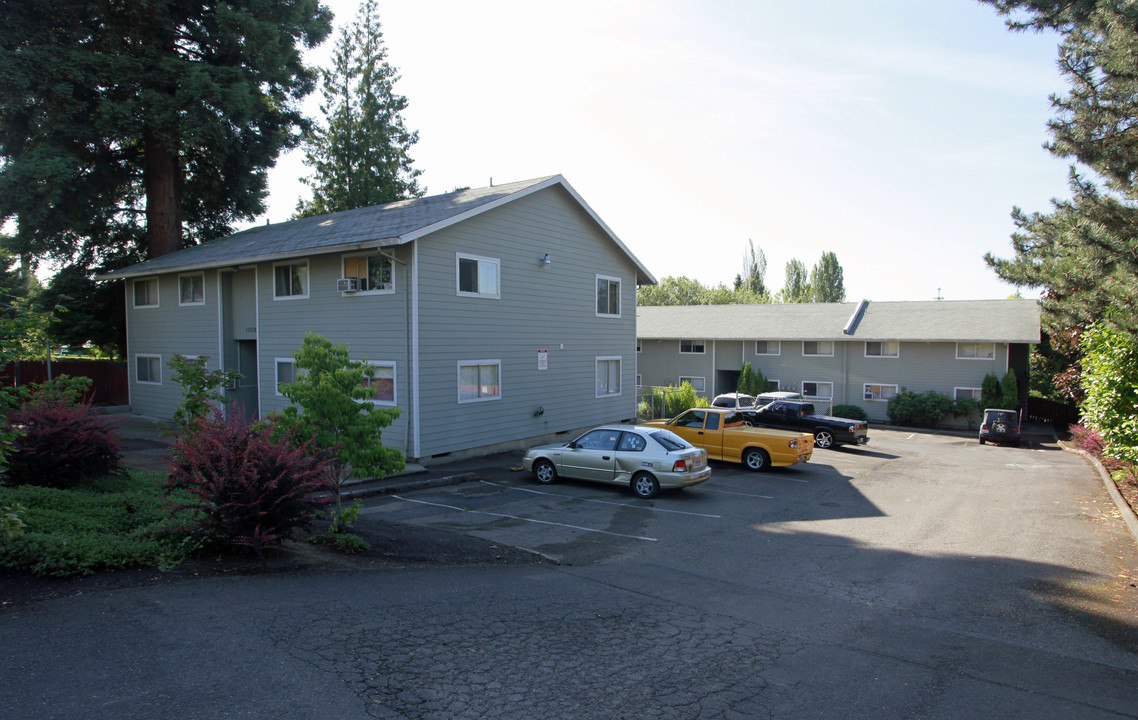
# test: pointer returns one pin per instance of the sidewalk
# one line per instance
(146, 447)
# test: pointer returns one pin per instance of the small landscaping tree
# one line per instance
(991, 396)
(332, 404)
(751, 380)
(200, 388)
(1009, 389)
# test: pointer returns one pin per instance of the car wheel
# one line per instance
(824, 439)
(645, 486)
(756, 459)
(544, 472)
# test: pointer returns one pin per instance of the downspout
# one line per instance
(414, 311)
(714, 377)
(220, 334)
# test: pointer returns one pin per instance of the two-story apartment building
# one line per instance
(848, 353)
(494, 316)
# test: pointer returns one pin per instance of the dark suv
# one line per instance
(1000, 426)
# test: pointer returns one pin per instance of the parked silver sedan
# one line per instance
(647, 459)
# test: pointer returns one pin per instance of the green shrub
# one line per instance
(115, 522)
(1009, 389)
(200, 388)
(926, 409)
(342, 541)
(1110, 379)
(853, 412)
(676, 400)
(991, 396)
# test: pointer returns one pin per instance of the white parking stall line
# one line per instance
(728, 492)
(525, 519)
(602, 502)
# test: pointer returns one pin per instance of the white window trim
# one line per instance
(482, 259)
(985, 359)
(702, 351)
(477, 363)
(896, 389)
(818, 382)
(277, 362)
(365, 257)
(777, 385)
(148, 356)
(308, 277)
(157, 289)
(620, 299)
(882, 343)
(637, 379)
(604, 358)
(695, 377)
(181, 303)
(829, 354)
(778, 344)
(394, 383)
(976, 389)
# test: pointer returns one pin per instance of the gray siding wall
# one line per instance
(918, 367)
(552, 309)
(373, 326)
(167, 330)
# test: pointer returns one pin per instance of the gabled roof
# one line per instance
(364, 228)
(1015, 321)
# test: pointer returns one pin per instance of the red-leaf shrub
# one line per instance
(60, 444)
(251, 491)
(1086, 439)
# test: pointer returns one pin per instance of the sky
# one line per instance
(898, 134)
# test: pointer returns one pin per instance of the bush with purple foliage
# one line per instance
(60, 444)
(250, 490)
(1087, 440)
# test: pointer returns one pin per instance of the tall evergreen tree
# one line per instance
(117, 116)
(361, 157)
(826, 281)
(797, 288)
(1084, 252)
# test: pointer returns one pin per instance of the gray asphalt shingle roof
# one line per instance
(377, 226)
(916, 321)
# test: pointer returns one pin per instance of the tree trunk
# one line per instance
(163, 201)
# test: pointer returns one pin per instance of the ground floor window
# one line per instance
(876, 391)
(966, 393)
(382, 384)
(698, 384)
(479, 380)
(148, 369)
(608, 376)
(286, 373)
(818, 388)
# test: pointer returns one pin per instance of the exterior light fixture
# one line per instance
(546, 262)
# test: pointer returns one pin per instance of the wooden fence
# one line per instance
(108, 378)
(1059, 415)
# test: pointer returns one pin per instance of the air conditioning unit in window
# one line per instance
(346, 285)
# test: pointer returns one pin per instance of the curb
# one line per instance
(390, 487)
(1124, 508)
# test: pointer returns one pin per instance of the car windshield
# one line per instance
(746, 401)
(669, 440)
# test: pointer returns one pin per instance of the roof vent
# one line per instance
(851, 326)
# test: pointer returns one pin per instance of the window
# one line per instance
(148, 369)
(602, 439)
(695, 347)
(879, 392)
(966, 393)
(975, 351)
(608, 296)
(637, 379)
(820, 348)
(382, 384)
(697, 383)
(767, 347)
(637, 344)
(286, 373)
(882, 349)
(146, 293)
(290, 281)
(479, 380)
(772, 385)
(191, 289)
(631, 442)
(477, 276)
(373, 271)
(608, 376)
(692, 419)
(815, 388)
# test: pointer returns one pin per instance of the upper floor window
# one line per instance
(820, 348)
(479, 380)
(767, 347)
(146, 293)
(608, 296)
(191, 289)
(882, 349)
(692, 346)
(477, 276)
(374, 272)
(975, 351)
(290, 280)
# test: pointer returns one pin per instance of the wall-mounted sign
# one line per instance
(542, 359)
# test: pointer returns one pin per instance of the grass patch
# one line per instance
(120, 521)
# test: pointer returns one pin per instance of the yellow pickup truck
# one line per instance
(722, 432)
